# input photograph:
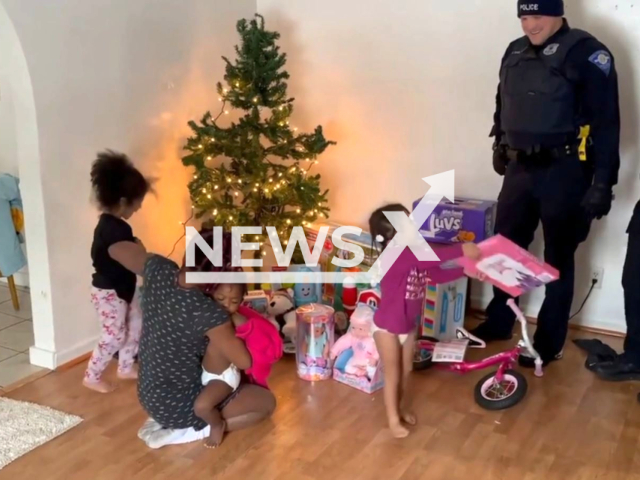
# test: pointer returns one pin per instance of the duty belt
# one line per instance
(555, 152)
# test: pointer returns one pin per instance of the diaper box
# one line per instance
(465, 220)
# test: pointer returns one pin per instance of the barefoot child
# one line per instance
(220, 376)
(119, 190)
(402, 292)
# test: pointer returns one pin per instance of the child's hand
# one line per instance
(472, 251)
(139, 242)
(238, 320)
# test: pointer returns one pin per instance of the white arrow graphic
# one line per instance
(408, 233)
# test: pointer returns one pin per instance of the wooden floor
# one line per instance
(570, 426)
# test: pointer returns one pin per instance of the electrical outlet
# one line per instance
(597, 274)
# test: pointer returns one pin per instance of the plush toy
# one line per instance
(281, 311)
(359, 338)
(304, 294)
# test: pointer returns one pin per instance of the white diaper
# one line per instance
(402, 338)
(231, 376)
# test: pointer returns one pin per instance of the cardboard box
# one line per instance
(444, 309)
(465, 220)
(509, 267)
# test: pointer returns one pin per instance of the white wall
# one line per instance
(407, 89)
(8, 132)
(8, 146)
(121, 74)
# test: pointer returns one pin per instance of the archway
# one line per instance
(17, 81)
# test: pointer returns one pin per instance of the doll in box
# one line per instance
(316, 346)
(359, 339)
(314, 338)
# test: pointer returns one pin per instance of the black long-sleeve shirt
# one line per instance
(597, 99)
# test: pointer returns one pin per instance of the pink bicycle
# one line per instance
(499, 390)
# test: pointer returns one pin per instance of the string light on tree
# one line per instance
(261, 148)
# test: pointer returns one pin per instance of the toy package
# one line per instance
(509, 267)
(465, 220)
(314, 340)
(342, 296)
(444, 308)
(356, 359)
(257, 300)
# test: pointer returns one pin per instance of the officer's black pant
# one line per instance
(631, 285)
(549, 189)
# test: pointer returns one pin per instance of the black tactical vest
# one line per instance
(538, 103)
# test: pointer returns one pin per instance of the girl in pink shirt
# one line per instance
(402, 291)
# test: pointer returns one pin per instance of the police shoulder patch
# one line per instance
(602, 60)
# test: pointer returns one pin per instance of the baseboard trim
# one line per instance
(63, 359)
(479, 313)
(42, 358)
(72, 363)
(78, 351)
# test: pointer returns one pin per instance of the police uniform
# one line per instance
(546, 94)
(627, 366)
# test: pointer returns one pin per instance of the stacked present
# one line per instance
(451, 222)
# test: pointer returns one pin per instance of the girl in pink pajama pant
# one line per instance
(119, 190)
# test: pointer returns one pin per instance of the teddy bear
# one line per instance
(281, 311)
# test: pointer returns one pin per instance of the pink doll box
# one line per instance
(361, 383)
(356, 359)
(509, 267)
(314, 339)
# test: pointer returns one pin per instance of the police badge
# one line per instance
(551, 49)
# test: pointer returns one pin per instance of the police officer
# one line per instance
(556, 130)
(627, 366)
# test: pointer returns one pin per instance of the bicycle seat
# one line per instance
(474, 342)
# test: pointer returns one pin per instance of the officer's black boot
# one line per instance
(500, 319)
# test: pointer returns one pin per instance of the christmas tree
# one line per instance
(256, 171)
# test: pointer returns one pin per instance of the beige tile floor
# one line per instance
(16, 337)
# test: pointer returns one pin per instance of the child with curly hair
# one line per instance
(119, 190)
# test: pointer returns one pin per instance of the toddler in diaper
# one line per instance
(220, 377)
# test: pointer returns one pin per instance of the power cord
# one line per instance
(184, 224)
(593, 284)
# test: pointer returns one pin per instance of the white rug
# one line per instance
(25, 426)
